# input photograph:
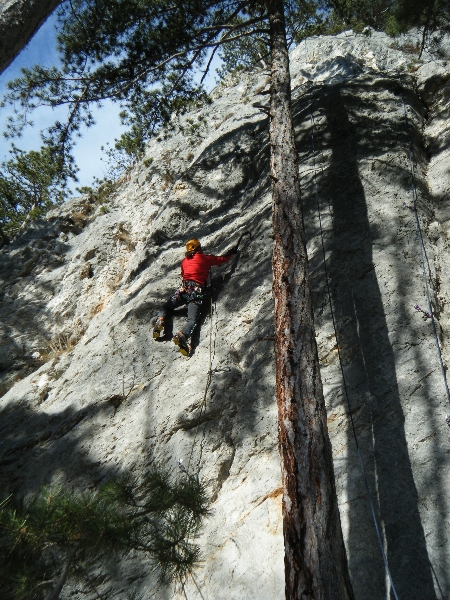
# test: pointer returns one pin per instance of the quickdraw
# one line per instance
(243, 235)
(425, 312)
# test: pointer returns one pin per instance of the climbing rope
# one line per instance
(212, 348)
(210, 369)
(184, 590)
(183, 586)
(327, 279)
(423, 255)
(208, 383)
(197, 586)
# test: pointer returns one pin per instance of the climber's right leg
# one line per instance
(158, 322)
(158, 326)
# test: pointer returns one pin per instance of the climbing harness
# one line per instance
(209, 373)
(191, 290)
(423, 255)
(353, 427)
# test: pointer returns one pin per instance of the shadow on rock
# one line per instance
(370, 369)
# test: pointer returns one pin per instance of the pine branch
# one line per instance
(54, 594)
(182, 53)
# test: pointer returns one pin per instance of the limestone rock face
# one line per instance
(88, 393)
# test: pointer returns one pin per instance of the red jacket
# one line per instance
(197, 267)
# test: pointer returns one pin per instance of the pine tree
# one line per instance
(142, 53)
(356, 14)
(57, 536)
(392, 16)
(30, 183)
(429, 16)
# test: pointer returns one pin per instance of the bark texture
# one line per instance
(315, 557)
(19, 21)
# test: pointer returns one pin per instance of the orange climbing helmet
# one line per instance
(192, 245)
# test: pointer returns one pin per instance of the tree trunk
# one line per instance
(4, 237)
(54, 594)
(315, 559)
(19, 21)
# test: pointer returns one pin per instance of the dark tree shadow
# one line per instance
(38, 248)
(370, 373)
(37, 445)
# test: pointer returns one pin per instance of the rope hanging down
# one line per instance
(210, 369)
(423, 255)
(361, 462)
(208, 383)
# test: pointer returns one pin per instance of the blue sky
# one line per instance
(42, 50)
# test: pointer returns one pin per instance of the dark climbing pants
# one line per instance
(179, 299)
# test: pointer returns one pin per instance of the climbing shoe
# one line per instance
(158, 326)
(180, 340)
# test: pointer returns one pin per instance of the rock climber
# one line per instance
(194, 274)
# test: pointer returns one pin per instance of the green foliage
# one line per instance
(157, 516)
(30, 183)
(192, 129)
(356, 14)
(430, 16)
(122, 156)
(393, 16)
(307, 17)
(139, 53)
(245, 52)
(101, 190)
(143, 54)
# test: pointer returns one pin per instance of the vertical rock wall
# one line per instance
(395, 387)
(80, 287)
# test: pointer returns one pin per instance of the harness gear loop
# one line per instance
(192, 290)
